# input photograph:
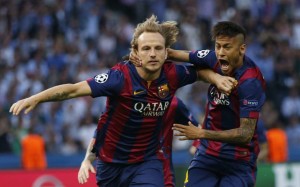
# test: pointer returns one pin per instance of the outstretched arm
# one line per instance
(56, 93)
(86, 165)
(241, 135)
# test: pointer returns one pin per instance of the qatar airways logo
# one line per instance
(218, 97)
(152, 109)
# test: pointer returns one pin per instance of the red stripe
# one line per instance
(115, 127)
(213, 146)
(253, 73)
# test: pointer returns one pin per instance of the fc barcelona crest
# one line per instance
(163, 91)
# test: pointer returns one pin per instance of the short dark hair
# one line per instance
(227, 28)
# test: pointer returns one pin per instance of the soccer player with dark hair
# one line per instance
(177, 113)
(128, 133)
(229, 142)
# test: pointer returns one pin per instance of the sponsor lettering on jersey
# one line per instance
(218, 97)
(152, 109)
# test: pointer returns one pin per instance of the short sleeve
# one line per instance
(261, 131)
(186, 74)
(203, 58)
(107, 84)
(251, 98)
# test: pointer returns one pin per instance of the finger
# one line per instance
(15, 107)
(85, 174)
(183, 138)
(12, 107)
(93, 170)
(20, 106)
(178, 129)
(190, 123)
(179, 134)
(28, 109)
(80, 177)
(179, 126)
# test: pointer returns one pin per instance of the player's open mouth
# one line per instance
(224, 64)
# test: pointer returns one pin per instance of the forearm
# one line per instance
(208, 75)
(89, 155)
(234, 136)
(263, 154)
(61, 92)
(178, 55)
(241, 135)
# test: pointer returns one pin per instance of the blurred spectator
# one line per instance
(4, 135)
(277, 143)
(86, 131)
(263, 142)
(291, 103)
(33, 151)
(293, 134)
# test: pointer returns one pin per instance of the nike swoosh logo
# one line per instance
(138, 92)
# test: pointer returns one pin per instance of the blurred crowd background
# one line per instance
(48, 42)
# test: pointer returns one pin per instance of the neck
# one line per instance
(146, 75)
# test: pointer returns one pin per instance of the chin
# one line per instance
(152, 68)
(226, 73)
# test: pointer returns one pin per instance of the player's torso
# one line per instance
(134, 119)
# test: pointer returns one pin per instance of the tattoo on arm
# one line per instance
(58, 97)
(241, 135)
(247, 128)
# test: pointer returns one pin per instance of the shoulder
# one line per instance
(121, 65)
(250, 71)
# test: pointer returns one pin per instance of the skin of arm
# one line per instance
(241, 135)
(178, 55)
(224, 83)
(264, 151)
(56, 93)
(86, 165)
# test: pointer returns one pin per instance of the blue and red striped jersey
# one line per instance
(130, 128)
(177, 113)
(224, 112)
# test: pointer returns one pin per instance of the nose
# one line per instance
(152, 53)
(221, 52)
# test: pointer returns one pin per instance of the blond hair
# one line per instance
(167, 29)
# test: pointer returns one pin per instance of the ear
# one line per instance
(243, 49)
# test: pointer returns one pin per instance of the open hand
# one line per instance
(28, 104)
(187, 132)
(83, 173)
